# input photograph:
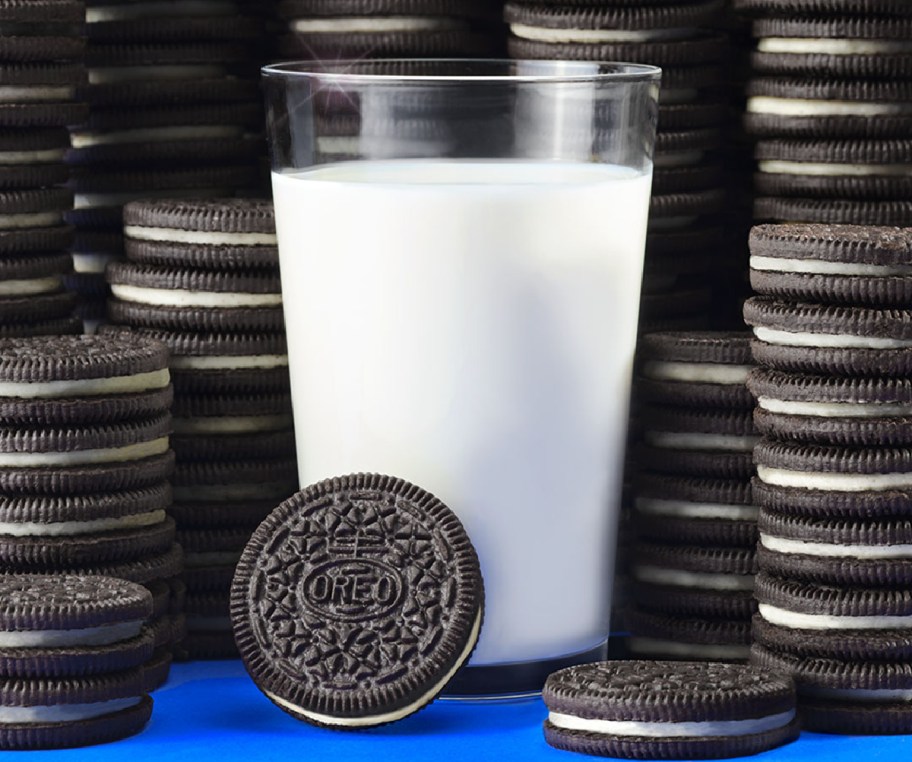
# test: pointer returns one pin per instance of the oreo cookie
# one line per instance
(823, 7)
(361, 520)
(849, 264)
(60, 626)
(40, 93)
(681, 710)
(833, 211)
(33, 158)
(32, 220)
(840, 340)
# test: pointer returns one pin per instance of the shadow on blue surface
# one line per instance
(213, 711)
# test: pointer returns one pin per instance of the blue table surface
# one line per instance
(213, 711)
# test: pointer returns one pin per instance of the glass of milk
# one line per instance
(461, 247)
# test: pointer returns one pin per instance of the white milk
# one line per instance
(470, 327)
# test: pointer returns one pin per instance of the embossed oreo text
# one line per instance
(352, 589)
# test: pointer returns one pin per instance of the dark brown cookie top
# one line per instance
(47, 509)
(69, 358)
(356, 600)
(861, 322)
(600, 17)
(655, 691)
(831, 89)
(706, 560)
(843, 151)
(150, 276)
(836, 531)
(801, 387)
(291, 9)
(17, 440)
(67, 602)
(833, 460)
(831, 600)
(823, 7)
(88, 689)
(852, 27)
(856, 244)
(726, 347)
(226, 215)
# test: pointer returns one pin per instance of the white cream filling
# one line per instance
(110, 74)
(819, 267)
(691, 510)
(229, 362)
(33, 93)
(230, 492)
(831, 46)
(226, 424)
(658, 575)
(26, 715)
(874, 695)
(829, 340)
(780, 477)
(544, 34)
(30, 286)
(87, 387)
(92, 263)
(138, 10)
(689, 441)
(92, 200)
(678, 159)
(765, 104)
(155, 135)
(834, 409)
(696, 372)
(32, 157)
(87, 636)
(357, 24)
(658, 647)
(398, 714)
(213, 238)
(84, 457)
(820, 169)
(215, 558)
(36, 220)
(208, 623)
(706, 729)
(798, 621)
(173, 297)
(71, 528)
(832, 550)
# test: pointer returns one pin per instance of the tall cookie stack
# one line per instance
(833, 335)
(830, 106)
(358, 29)
(175, 111)
(74, 653)
(41, 66)
(202, 276)
(693, 562)
(684, 229)
(84, 466)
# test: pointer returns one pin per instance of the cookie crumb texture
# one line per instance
(356, 601)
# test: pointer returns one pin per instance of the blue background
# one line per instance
(213, 711)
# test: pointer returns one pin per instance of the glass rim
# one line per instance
(589, 71)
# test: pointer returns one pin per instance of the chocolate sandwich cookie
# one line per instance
(231, 234)
(847, 697)
(860, 552)
(834, 169)
(843, 47)
(659, 636)
(33, 158)
(673, 211)
(418, 599)
(53, 626)
(664, 710)
(83, 379)
(851, 264)
(850, 412)
(234, 362)
(32, 220)
(40, 95)
(695, 368)
(833, 211)
(37, 308)
(823, 7)
(76, 711)
(195, 299)
(691, 581)
(829, 108)
(65, 326)
(34, 275)
(824, 503)
(682, 510)
(820, 338)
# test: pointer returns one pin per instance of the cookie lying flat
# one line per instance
(376, 563)
(659, 710)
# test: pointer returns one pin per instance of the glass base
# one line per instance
(518, 680)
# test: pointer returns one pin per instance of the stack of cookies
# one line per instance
(75, 665)
(202, 277)
(84, 465)
(830, 106)
(357, 29)
(41, 67)
(688, 195)
(833, 335)
(693, 563)
(174, 110)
